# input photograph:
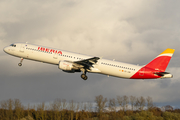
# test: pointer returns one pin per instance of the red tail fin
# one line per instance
(161, 61)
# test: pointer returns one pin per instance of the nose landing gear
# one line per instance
(20, 64)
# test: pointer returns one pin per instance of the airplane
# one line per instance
(73, 62)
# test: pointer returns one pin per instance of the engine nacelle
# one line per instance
(66, 66)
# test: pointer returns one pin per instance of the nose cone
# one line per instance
(5, 49)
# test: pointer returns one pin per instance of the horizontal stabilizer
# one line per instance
(161, 73)
(164, 74)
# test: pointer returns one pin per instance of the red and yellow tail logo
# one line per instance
(156, 68)
(161, 61)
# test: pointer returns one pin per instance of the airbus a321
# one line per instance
(73, 62)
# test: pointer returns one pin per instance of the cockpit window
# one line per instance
(13, 45)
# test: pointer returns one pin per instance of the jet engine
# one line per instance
(66, 66)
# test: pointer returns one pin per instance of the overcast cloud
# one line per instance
(128, 31)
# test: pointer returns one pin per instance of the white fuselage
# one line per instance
(103, 66)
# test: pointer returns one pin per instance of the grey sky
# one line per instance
(128, 31)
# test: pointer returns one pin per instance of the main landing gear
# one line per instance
(83, 76)
(20, 64)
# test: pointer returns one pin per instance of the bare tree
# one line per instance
(17, 108)
(168, 108)
(149, 102)
(132, 101)
(112, 108)
(112, 104)
(81, 112)
(85, 110)
(64, 104)
(125, 102)
(10, 104)
(81, 107)
(41, 109)
(4, 106)
(137, 103)
(142, 102)
(89, 106)
(77, 106)
(120, 101)
(77, 109)
(72, 105)
(72, 108)
(28, 108)
(36, 113)
(89, 109)
(100, 103)
(64, 107)
(56, 106)
(45, 112)
(163, 108)
(84, 106)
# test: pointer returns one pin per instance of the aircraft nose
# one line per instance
(5, 49)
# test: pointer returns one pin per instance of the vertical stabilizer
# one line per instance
(161, 61)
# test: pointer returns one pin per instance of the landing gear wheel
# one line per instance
(84, 77)
(20, 64)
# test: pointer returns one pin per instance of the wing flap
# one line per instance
(87, 63)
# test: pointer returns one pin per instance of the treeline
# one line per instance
(119, 108)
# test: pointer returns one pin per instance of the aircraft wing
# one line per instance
(87, 63)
